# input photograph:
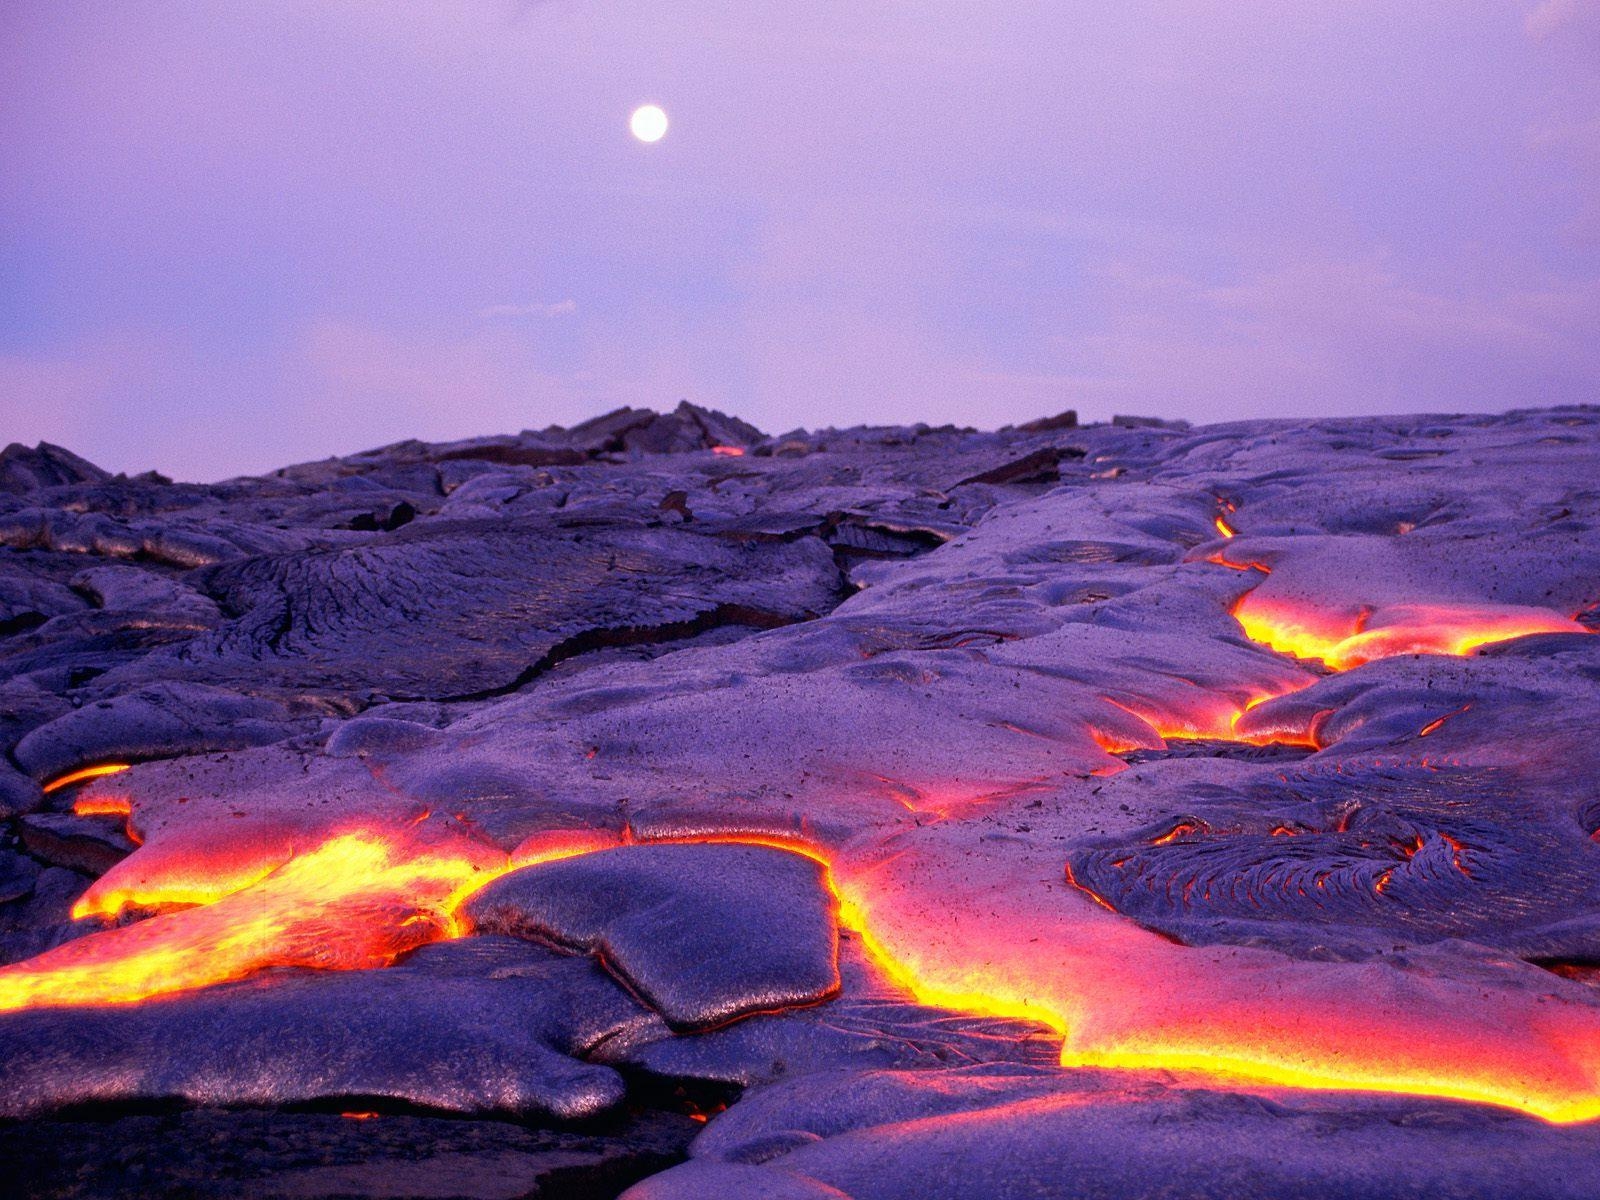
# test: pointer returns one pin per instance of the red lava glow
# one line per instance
(55, 785)
(1222, 561)
(188, 875)
(109, 806)
(728, 451)
(1342, 641)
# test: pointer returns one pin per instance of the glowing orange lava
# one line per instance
(187, 874)
(1433, 727)
(1126, 999)
(1119, 996)
(1342, 641)
(108, 806)
(79, 776)
(358, 900)
(1342, 638)
(1218, 721)
(102, 806)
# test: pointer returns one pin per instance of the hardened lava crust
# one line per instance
(660, 808)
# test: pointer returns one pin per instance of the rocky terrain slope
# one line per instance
(1114, 811)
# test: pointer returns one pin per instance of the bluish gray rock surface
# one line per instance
(1127, 811)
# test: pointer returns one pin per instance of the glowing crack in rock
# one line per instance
(85, 773)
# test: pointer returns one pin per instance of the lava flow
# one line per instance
(981, 938)
(1124, 998)
(1216, 721)
(358, 900)
(1342, 637)
(362, 898)
(1342, 642)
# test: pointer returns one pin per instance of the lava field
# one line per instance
(664, 809)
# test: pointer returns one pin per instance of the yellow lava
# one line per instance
(1400, 629)
(1118, 996)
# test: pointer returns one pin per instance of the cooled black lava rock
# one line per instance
(40, 919)
(870, 1025)
(221, 1154)
(23, 470)
(18, 873)
(18, 793)
(484, 1025)
(456, 609)
(90, 845)
(160, 720)
(1052, 1135)
(703, 933)
(1365, 860)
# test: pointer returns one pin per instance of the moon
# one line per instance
(648, 123)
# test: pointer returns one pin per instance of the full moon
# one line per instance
(648, 123)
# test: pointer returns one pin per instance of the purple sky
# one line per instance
(238, 235)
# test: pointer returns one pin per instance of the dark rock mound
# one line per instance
(703, 933)
(1366, 860)
(157, 721)
(484, 1025)
(23, 470)
(220, 1154)
(455, 610)
(1055, 1135)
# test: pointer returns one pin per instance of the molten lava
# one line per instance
(190, 872)
(102, 806)
(1342, 640)
(358, 900)
(67, 780)
(1119, 996)
(1126, 999)
(1433, 727)
(1218, 721)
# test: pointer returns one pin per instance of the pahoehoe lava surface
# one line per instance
(1403, 855)
(704, 933)
(658, 807)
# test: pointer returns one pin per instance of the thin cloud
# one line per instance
(561, 308)
(1564, 18)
